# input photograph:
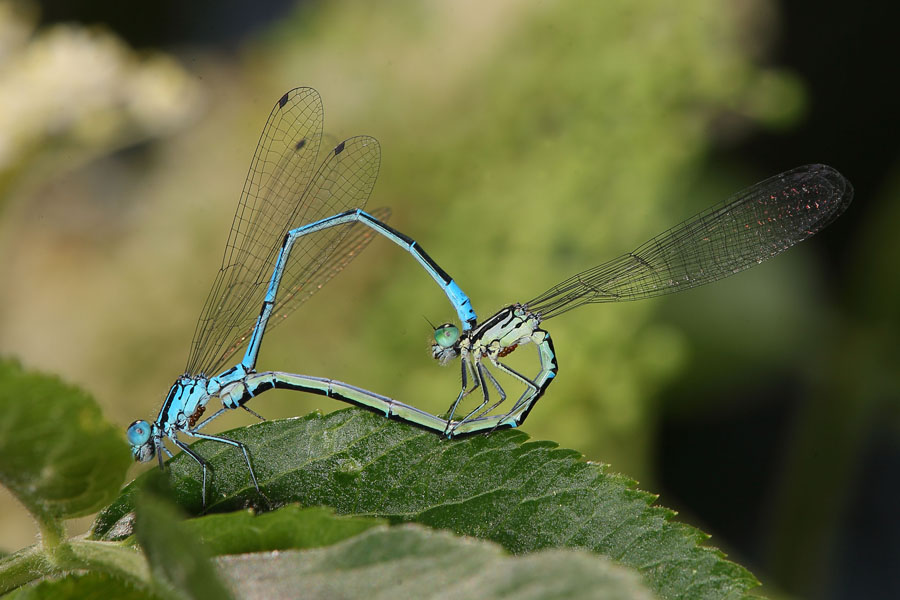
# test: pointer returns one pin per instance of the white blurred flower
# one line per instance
(83, 86)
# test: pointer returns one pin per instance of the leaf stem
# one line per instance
(53, 531)
(23, 567)
(113, 558)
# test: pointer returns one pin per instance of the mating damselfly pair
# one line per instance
(300, 221)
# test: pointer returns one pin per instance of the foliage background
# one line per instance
(522, 141)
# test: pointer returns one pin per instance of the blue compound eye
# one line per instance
(446, 335)
(138, 433)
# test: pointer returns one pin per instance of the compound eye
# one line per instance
(138, 433)
(446, 335)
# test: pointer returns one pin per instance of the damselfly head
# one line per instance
(446, 343)
(139, 435)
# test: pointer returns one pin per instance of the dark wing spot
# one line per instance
(300, 144)
(339, 148)
(283, 100)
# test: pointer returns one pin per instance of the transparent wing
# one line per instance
(755, 224)
(283, 191)
(293, 293)
(295, 290)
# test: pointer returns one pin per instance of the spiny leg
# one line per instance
(234, 443)
(200, 461)
(508, 370)
(530, 393)
(159, 452)
(516, 375)
(205, 421)
(253, 412)
(513, 373)
(484, 373)
(465, 368)
(528, 398)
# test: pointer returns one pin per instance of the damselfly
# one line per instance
(750, 227)
(298, 223)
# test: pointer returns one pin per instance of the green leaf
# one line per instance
(78, 587)
(178, 562)
(285, 528)
(57, 453)
(524, 495)
(412, 562)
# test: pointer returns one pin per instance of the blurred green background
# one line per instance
(522, 142)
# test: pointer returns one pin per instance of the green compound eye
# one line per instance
(446, 335)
